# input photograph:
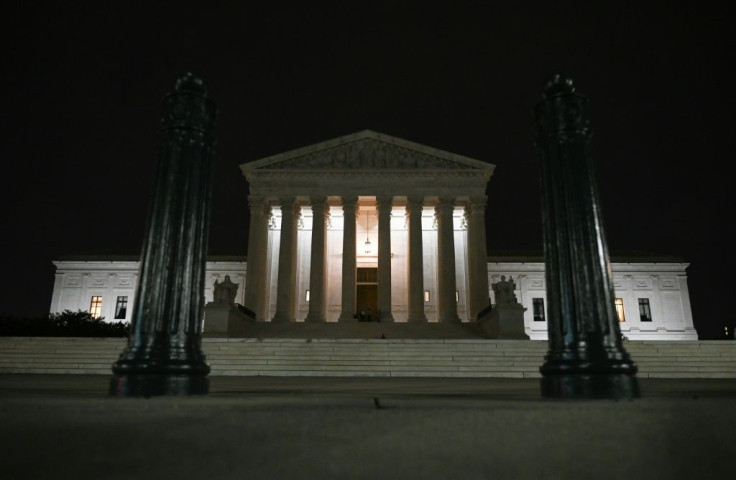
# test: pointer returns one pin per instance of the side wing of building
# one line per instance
(652, 298)
(108, 288)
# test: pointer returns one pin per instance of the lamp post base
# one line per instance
(153, 385)
(590, 386)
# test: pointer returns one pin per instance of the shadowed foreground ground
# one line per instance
(64, 426)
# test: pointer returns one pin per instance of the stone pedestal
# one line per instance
(222, 320)
(505, 322)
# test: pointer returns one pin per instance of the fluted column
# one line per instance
(446, 302)
(416, 261)
(255, 285)
(349, 207)
(384, 259)
(317, 270)
(477, 255)
(287, 262)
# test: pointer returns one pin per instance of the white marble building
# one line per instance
(663, 284)
(394, 228)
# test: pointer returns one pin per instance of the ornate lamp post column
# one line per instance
(586, 358)
(164, 354)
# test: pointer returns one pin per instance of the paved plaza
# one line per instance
(65, 426)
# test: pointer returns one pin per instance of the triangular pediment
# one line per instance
(366, 150)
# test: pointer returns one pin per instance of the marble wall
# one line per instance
(664, 285)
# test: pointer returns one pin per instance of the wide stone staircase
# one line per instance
(366, 357)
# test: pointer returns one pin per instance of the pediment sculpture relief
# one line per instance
(367, 153)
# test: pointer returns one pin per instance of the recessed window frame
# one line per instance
(538, 309)
(121, 307)
(645, 310)
(620, 312)
(95, 306)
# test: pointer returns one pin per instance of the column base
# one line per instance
(454, 319)
(347, 318)
(315, 318)
(386, 318)
(590, 386)
(282, 319)
(417, 319)
(145, 385)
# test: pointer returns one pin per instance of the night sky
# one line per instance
(82, 89)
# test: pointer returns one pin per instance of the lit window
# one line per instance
(121, 308)
(95, 307)
(538, 307)
(426, 295)
(306, 296)
(457, 296)
(645, 313)
(620, 310)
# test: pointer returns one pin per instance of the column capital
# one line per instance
(414, 202)
(258, 205)
(384, 201)
(289, 206)
(319, 206)
(445, 204)
(255, 200)
(349, 204)
(477, 204)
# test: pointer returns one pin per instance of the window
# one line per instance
(95, 307)
(620, 310)
(367, 275)
(645, 313)
(426, 295)
(306, 296)
(538, 307)
(121, 308)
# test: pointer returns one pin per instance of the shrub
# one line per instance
(64, 324)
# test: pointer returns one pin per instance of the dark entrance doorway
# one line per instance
(367, 293)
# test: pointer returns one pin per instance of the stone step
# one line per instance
(366, 357)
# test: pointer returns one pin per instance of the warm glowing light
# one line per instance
(367, 240)
(426, 295)
(620, 310)
(95, 307)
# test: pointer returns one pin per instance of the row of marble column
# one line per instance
(256, 289)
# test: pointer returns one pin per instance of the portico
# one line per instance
(410, 218)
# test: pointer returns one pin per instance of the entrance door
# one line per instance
(367, 301)
(366, 298)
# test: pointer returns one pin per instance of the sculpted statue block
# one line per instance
(504, 291)
(225, 291)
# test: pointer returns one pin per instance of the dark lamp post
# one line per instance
(586, 358)
(164, 354)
